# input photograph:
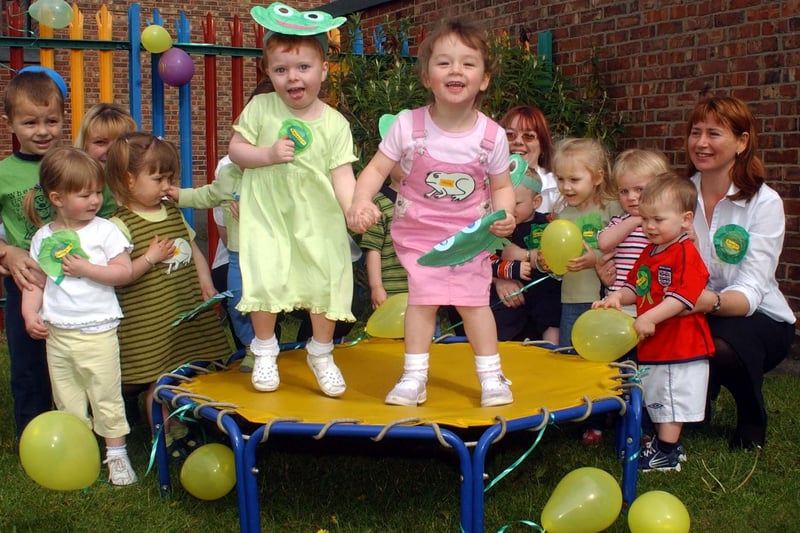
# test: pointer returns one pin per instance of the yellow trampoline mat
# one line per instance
(540, 378)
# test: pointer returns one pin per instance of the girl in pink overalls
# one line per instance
(456, 164)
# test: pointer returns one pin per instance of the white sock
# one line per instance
(116, 451)
(265, 347)
(319, 349)
(487, 365)
(416, 365)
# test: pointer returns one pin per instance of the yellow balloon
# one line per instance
(156, 39)
(561, 241)
(603, 335)
(388, 320)
(586, 500)
(209, 473)
(59, 451)
(658, 512)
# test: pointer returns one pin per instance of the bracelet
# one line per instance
(147, 260)
(717, 305)
(528, 256)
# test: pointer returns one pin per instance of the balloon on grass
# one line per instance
(59, 451)
(603, 335)
(53, 13)
(156, 39)
(388, 320)
(175, 67)
(209, 473)
(658, 512)
(561, 241)
(586, 500)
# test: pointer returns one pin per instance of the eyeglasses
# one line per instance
(527, 136)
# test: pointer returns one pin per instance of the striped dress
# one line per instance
(149, 345)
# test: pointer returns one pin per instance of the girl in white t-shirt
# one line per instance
(77, 312)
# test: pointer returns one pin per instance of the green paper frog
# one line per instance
(280, 18)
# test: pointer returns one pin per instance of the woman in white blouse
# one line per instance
(739, 226)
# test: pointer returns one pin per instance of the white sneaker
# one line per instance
(265, 377)
(329, 377)
(120, 471)
(495, 390)
(409, 391)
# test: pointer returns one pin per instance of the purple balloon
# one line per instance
(175, 67)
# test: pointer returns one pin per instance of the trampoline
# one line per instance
(548, 388)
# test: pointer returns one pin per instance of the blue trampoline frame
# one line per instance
(471, 464)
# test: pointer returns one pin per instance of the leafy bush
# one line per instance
(366, 86)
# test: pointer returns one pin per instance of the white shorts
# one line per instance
(676, 392)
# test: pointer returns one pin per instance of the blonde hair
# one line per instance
(107, 120)
(134, 153)
(640, 162)
(63, 170)
(594, 157)
(672, 189)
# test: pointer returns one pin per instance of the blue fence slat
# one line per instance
(157, 86)
(134, 64)
(185, 109)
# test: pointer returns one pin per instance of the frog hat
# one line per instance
(280, 18)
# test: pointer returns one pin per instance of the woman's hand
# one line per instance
(606, 269)
(505, 288)
(21, 266)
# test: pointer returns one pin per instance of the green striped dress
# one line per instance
(149, 345)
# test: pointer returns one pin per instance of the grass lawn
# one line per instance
(350, 486)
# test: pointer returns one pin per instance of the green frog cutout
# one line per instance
(280, 18)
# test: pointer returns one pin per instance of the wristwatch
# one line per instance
(718, 304)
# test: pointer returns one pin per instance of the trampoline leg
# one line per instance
(249, 481)
(162, 457)
(632, 426)
(478, 468)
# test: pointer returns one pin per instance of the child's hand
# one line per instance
(234, 207)
(644, 327)
(173, 192)
(525, 270)
(540, 262)
(505, 227)
(378, 296)
(606, 269)
(361, 216)
(75, 266)
(208, 291)
(282, 151)
(612, 301)
(160, 250)
(35, 327)
(587, 260)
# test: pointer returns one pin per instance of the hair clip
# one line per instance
(38, 186)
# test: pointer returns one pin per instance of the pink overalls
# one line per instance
(437, 200)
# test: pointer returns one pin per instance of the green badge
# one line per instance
(644, 279)
(533, 241)
(590, 226)
(731, 243)
(298, 133)
(54, 248)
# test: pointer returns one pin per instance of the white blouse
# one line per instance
(763, 220)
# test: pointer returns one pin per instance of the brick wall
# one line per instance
(656, 57)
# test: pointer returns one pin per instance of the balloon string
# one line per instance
(515, 293)
(179, 412)
(524, 456)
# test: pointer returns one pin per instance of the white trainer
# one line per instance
(495, 390)
(409, 391)
(120, 471)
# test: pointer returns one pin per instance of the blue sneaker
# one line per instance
(682, 457)
(652, 458)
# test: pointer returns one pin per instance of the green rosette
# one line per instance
(298, 133)
(731, 242)
(61, 243)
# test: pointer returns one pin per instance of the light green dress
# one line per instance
(293, 243)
